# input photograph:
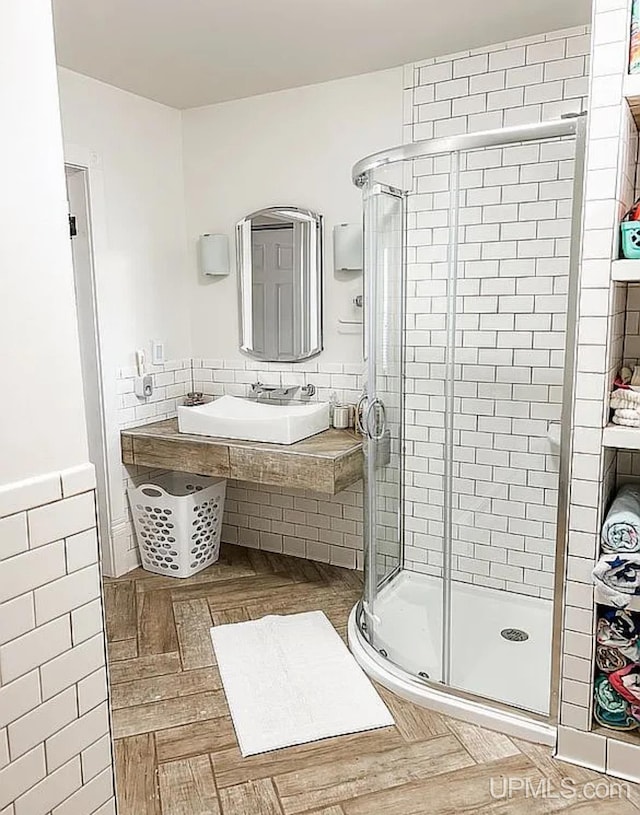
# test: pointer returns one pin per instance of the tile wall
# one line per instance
(300, 523)
(55, 742)
(610, 162)
(511, 302)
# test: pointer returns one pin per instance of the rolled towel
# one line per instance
(619, 630)
(618, 578)
(621, 529)
(626, 417)
(622, 398)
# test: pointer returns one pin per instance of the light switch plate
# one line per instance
(157, 352)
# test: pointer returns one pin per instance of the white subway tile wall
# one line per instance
(171, 382)
(55, 742)
(607, 333)
(510, 303)
(319, 527)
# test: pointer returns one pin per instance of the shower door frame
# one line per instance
(372, 584)
(569, 125)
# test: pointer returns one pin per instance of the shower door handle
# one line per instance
(375, 420)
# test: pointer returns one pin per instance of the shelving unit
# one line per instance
(626, 271)
(624, 438)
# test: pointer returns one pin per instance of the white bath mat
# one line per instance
(291, 680)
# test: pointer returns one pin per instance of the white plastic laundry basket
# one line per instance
(178, 522)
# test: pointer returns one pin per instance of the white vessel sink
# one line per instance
(233, 418)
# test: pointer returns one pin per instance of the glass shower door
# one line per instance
(384, 212)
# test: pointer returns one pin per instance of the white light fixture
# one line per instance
(347, 248)
(213, 255)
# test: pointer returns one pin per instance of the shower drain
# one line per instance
(514, 634)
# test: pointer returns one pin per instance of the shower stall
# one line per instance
(471, 278)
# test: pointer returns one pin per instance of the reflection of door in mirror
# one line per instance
(275, 289)
(280, 284)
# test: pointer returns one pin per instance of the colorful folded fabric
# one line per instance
(626, 682)
(609, 708)
(620, 630)
(621, 529)
(609, 659)
(618, 578)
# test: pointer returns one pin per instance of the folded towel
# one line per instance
(618, 578)
(626, 682)
(621, 529)
(609, 659)
(624, 398)
(609, 708)
(619, 630)
(626, 417)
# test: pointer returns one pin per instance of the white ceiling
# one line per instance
(187, 53)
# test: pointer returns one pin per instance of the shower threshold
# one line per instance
(490, 657)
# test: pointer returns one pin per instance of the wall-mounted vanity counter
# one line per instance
(328, 462)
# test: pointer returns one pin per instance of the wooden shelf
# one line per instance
(627, 271)
(328, 462)
(631, 90)
(624, 438)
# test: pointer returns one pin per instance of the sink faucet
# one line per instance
(259, 391)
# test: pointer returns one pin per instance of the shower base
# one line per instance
(408, 624)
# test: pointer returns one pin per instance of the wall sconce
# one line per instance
(347, 248)
(213, 255)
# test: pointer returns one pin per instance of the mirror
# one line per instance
(280, 284)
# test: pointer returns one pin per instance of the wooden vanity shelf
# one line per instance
(328, 462)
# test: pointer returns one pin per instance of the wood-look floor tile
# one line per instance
(120, 610)
(313, 787)
(415, 723)
(194, 739)
(610, 806)
(130, 721)
(122, 649)
(193, 626)
(236, 592)
(230, 615)
(231, 768)
(322, 599)
(215, 573)
(169, 686)
(187, 787)
(482, 744)
(143, 667)
(252, 798)
(135, 762)
(553, 769)
(156, 625)
(334, 810)
(450, 793)
(298, 569)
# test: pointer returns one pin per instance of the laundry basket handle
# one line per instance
(151, 491)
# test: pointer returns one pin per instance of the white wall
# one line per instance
(55, 746)
(137, 146)
(291, 147)
(42, 412)
(133, 149)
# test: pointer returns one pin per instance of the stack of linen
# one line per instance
(617, 577)
(617, 685)
(617, 573)
(625, 398)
